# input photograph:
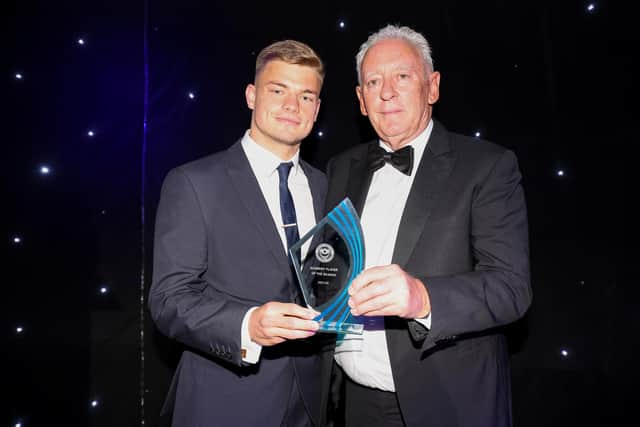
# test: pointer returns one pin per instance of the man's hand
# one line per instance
(275, 322)
(388, 291)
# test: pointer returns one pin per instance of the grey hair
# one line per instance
(417, 40)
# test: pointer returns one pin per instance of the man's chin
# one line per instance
(291, 139)
(292, 142)
(391, 135)
(395, 139)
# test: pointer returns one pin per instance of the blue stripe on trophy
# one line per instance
(341, 301)
(355, 243)
(340, 304)
(344, 222)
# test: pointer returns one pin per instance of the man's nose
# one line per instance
(291, 103)
(388, 91)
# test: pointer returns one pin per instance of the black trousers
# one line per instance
(368, 407)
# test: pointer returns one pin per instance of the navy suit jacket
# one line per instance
(464, 233)
(217, 253)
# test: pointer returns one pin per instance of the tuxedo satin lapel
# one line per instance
(247, 188)
(436, 165)
(359, 179)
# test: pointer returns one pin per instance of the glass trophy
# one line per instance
(335, 257)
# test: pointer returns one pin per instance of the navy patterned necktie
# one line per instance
(287, 209)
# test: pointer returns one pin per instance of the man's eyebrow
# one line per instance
(406, 68)
(396, 68)
(282, 85)
(277, 83)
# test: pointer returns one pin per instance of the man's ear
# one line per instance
(434, 88)
(363, 107)
(315, 116)
(250, 95)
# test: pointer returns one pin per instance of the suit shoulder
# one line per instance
(202, 168)
(479, 150)
(203, 173)
(355, 151)
(475, 145)
(206, 163)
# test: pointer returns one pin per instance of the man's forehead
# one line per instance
(399, 65)
(283, 71)
(286, 68)
(392, 52)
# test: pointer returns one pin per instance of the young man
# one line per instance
(222, 282)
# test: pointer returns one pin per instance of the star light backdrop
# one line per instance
(102, 98)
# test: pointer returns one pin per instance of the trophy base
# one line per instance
(341, 328)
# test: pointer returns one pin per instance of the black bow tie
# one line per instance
(401, 159)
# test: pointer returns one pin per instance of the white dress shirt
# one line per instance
(264, 165)
(366, 358)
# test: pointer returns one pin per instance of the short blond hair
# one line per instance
(291, 52)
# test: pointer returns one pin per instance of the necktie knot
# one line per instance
(401, 159)
(283, 170)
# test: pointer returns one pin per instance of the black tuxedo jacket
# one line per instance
(217, 253)
(464, 233)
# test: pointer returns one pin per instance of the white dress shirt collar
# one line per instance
(264, 162)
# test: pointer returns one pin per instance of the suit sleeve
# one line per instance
(182, 303)
(498, 290)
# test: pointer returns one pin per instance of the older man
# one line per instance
(445, 227)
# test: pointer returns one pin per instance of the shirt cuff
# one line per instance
(250, 350)
(425, 321)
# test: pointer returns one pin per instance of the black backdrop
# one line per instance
(554, 81)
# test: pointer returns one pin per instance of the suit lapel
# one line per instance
(247, 188)
(359, 178)
(436, 165)
(315, 186)
(318, 196)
